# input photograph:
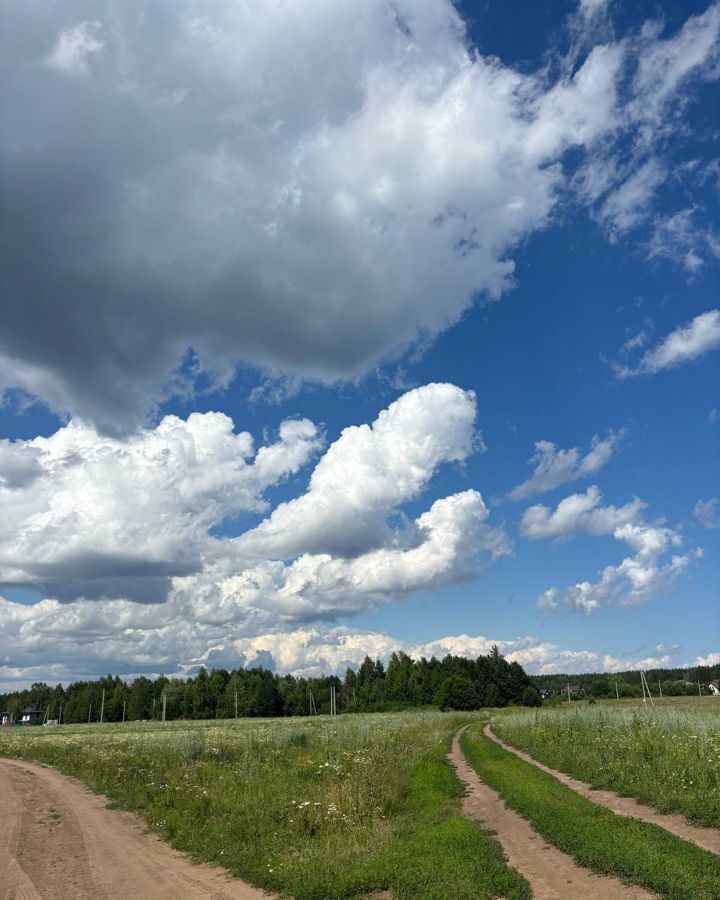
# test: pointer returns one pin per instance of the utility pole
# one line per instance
(236, 705)
(646, 686)
(568, 692)
(60, 716)
(164, 705)
(660, 687)
(123, 718)
(617, 692)
(699, 689)
(89, 711)
(102, 707)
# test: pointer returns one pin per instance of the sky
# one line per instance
(333, 329)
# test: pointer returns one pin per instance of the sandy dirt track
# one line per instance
(707, 838)
(553, 875)
(58, 841)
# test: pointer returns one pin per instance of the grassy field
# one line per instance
(597, 838)
(318, 808)
(667, 756)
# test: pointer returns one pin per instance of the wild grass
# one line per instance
(596, 837)
(667, 756)
(314, 808)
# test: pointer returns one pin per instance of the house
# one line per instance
(31, 715)
(714, 687)
(6, 718)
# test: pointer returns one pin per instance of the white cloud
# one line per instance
(591, 8)
(555, 467)
(75, 46)
(652, 569)
(89, 515)
(578, 512)
(628, 204)
(687, 343)
(306, 651)
(663, 65)
(677, 237)
(211, 149)
(367, 472)
(707, 512)
(312, 651)
(712, 659)
(99, 524)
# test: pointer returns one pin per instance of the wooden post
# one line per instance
(617, 691)
(164, 705)
(89, 711)
(236, 715)
(699, 689)
(659, 687)
(102, 707)
(646, 687)
(568, 692)
(60, 716)
(123, 718)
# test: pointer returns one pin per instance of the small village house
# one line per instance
(31, 715)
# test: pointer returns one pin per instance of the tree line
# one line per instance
(673, 682)
(451, 683)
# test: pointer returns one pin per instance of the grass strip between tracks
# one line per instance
(597, 838)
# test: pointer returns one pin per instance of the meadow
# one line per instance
(341, 807)
(666, 755)
(329, 807)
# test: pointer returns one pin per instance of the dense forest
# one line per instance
(451, 683)
(672, 683)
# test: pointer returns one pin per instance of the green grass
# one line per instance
(314, 808)
(597, 838)
(667, 756)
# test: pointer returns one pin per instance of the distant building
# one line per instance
(31, 715)
(6, 718)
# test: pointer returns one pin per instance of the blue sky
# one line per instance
(517, 201)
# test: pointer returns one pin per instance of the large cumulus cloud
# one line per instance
(121, 536)
(306, 186)
(87, 515)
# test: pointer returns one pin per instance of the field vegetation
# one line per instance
(667, 756)
(329, 807)
(597, 838)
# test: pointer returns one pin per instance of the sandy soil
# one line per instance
(552, 874)
(707, 838)
(60, 842)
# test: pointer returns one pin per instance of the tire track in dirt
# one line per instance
(705, 838)
(58, 841)
(553, 875)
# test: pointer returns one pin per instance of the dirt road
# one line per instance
(553, 875)
(707, 838)
(59, 842)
